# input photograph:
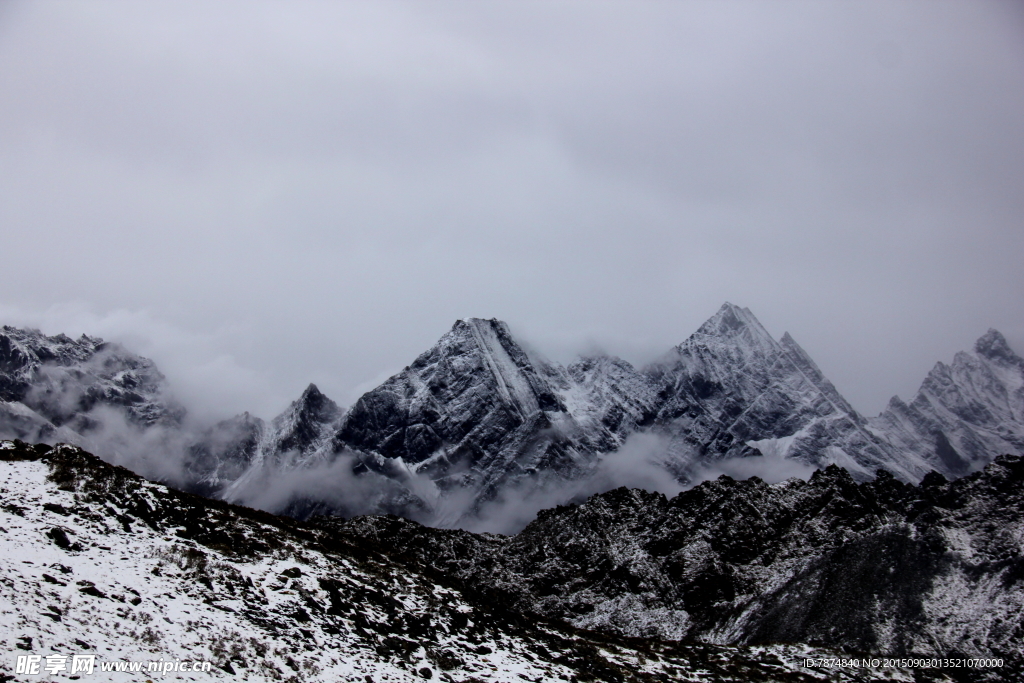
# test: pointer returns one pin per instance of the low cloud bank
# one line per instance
(328, 486)
(772, 465)
(282, 484)
(642, 462)
(157, 452)
(328, 483)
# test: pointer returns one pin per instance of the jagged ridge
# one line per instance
(477, 417)
(882, 566)
(50, 387)
(131, 570)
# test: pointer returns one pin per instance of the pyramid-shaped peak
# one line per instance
(315, 401)
(311, 392)
(479, 321)
(486, 333)
(993, 345)
(732, 320)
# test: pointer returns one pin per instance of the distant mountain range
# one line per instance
(905, 542)
(478, 418)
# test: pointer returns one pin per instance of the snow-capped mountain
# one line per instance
(479, 418)
(62, 389)
(100, 562)
(299, 435)
(964, 412)
(731, 390)
(478, 411)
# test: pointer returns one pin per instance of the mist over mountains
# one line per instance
(480, 432)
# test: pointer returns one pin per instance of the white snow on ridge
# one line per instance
(152, 608)
(83, 571)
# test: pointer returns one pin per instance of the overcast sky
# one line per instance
(263, 195)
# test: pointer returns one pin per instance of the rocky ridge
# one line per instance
(62, 389)
(478, 419)
(935, 570)
(99, 561)
(964, 411)
(479, 413)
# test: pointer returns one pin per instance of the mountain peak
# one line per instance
(315, 401)
(493, 339)
(732, 321)
(480, 324)
(993, 345)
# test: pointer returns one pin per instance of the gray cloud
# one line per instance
(772, 466)
(322, 486)
(638, 463)
(263, 195)
(276, 486)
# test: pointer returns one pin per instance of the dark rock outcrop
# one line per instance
(879, 567)
(53, 388)
(145, 570)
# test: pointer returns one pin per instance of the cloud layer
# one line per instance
(275, 194)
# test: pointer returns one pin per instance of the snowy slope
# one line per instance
(731, 383)
(97, 560)
(930, 571)
(964, 412)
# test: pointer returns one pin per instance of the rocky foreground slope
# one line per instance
(98, 561)
(935, 570)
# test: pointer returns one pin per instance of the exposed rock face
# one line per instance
(473, 395)
(476, 410)
(883, 566)
(730, 383)
(305, 426)
(963, 412)
(129, 570)
(53, 387)
(477, 416)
